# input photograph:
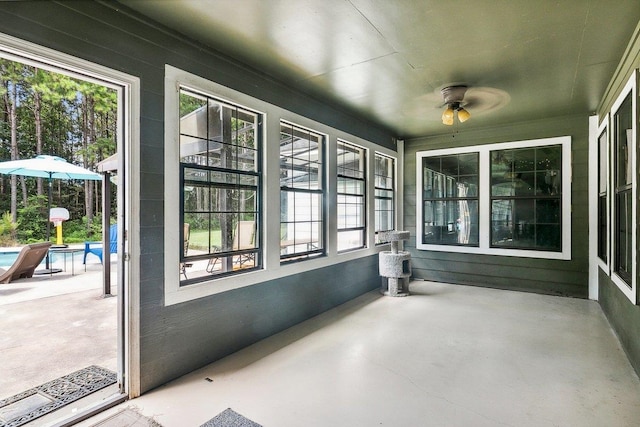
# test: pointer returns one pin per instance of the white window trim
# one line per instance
(629, 88)
(272, 116)
(595, 263)
(395, 189)
(484, 199)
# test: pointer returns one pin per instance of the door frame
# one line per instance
(128, 143)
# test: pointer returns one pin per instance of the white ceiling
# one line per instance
(388, 60)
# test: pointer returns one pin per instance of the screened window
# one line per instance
(384, 195)
(450, 199)
(623, 195)
(220, 181)
(301, 192)
(526, 198)
(603, 180)
(351, 196)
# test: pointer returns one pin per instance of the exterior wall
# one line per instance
(181, 338)
(526, 274)
(623, 316)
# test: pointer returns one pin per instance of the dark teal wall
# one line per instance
(180, 338)
(622, 314)
(623, 317)
(525, 274)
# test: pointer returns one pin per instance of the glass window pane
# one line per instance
(623, 121)
(602, 228)
(624, 249)
(350, 239)
(603, 172)
(451, 222)
(301, 196)
(219, 154)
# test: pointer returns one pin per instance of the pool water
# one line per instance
(8, 257)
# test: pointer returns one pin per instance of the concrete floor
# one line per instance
(445, 356)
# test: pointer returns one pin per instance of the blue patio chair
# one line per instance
(96, 247)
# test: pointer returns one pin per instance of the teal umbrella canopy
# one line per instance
(51, 167)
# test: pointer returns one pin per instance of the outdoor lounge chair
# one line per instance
(95, 248)
(243, 238)
(25, 264)
(185, 246)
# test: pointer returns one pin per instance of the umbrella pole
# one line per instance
(48, 269)
(48, 222)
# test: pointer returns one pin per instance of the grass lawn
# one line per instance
(199, 239)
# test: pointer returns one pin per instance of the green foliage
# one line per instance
(33, 225)
(33, 220)
(7, 230)
(75, 231)
(70, 118)
(189, 103)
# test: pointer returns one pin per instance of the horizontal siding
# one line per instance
(183, 337)
(622, 314)
(526, 274)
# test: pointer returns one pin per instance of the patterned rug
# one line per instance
(230, 418)
(128, 417)
(31, 404)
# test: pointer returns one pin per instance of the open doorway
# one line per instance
(65, 352)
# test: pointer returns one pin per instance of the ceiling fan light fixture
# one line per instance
(447, 116)
(463, 115)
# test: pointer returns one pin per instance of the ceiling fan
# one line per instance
(454, 99)
(462, 100)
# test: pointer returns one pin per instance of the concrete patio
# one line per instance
(55, 324)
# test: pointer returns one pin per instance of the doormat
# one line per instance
(36, 402)
(230, 418)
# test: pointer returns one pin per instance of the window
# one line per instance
(384, 190)
(603, 201)
(301, 192)
(220, 181)
(450, 199)
(351, 203)
(623, 218)
(526, 198)
(509, 198)
(235, 214)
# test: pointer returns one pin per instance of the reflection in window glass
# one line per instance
(526, 195)
(623, 178)
(450, 199)
(220, 178)
(301, 193)
(384, 195)
(351, 201)
(603, 170)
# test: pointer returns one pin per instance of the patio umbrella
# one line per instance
(47, 167)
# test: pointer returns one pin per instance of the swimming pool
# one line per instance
(9, 255)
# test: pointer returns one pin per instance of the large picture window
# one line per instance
(623, 191)
(384, 195)
(301, 192)
(526, 198)
(352, 208)
(504, 199)
(450, 199)
(220, 179)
